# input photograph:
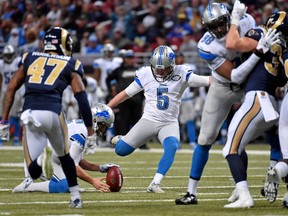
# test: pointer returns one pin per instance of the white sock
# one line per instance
(242, 185)
(157, 178)
(38, 186)
(192, 186)
(282, 169)
(74, 192)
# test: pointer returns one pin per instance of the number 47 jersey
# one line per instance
(47, 75)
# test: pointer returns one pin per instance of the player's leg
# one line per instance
(169, 137)
(218, 103)
(139, 134)
(280, 170)
(57, 133)
(247, 124)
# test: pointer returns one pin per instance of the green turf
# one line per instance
(138, 170)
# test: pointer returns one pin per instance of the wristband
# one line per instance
(4, 122)
(258, 53)
(235, 21)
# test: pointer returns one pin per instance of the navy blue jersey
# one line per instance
(47, 75)
(267, 74)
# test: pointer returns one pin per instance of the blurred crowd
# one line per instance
(129, 26)
(140, 25)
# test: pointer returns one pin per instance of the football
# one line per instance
(114, 179)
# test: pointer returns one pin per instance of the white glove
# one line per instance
(105, 167)
(90, 145)
(4, 130)
(267, 40)
(239, 9)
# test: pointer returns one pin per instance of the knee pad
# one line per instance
(58, 186)
(123, 149)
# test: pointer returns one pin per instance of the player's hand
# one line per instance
(100, 185)
(267, 40)
(90, 145)
(4, 130)
(239, 9)
(105, 167)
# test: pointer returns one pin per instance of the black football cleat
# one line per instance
(188, 199)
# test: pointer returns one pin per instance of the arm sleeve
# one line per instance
(133, 89)
(84, 108)
(197, 80)
(239, 74)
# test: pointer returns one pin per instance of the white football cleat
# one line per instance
(23, 185)
(234, 196)
(244, 201)
(154, 188)
(47, 165)
(271, 184)
(115, 139)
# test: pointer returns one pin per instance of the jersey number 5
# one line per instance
(162, 100)
(37, 69)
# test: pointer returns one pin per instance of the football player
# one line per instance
(163, 84)
(45, 76)
(104, 66)
(8, 66)
(258, 112)
(225, 91)
(280, 170)
(103, 118)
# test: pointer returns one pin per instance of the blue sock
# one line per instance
(275, 151)
(199, 160)
(170, 145)
(123, 149)
(191, 131)
(58, 186)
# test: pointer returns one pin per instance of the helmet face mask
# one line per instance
(58, 40)
(103, 118)
(216, 19)
(162, 63)
(9, 54)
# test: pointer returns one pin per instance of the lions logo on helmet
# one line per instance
(58, 40)
(162, 63)
(279, 21)
(9, 54)
(103, 118)
(216, 19)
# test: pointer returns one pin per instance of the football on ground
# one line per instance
(114, 179)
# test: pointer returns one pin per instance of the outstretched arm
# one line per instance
(97, 183)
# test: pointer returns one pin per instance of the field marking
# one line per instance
(116, 201)
(153, 150)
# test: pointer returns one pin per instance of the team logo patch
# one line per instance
(253, 32)
(175, 77)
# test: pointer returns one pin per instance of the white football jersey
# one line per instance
(77, 133)
(106, 66)
(214, 51)
(162, 99)
(7, 71)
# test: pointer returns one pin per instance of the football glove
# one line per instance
(4, 130)
(239, 9)
(90, 145)
(267, 40)
(105, 167)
